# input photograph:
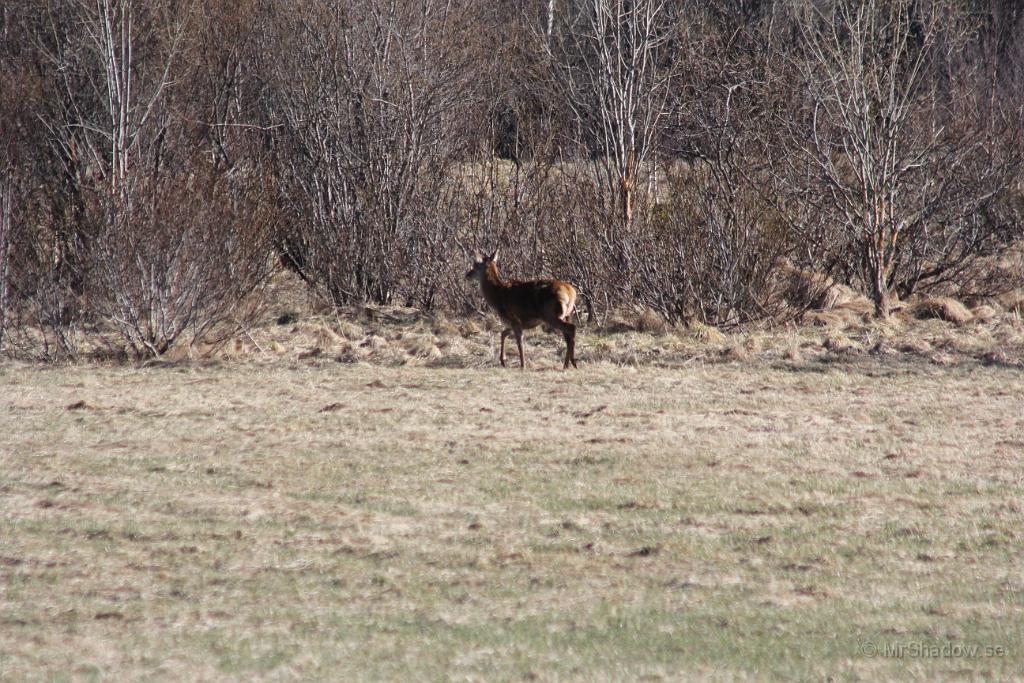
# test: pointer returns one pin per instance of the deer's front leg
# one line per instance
(501, 355)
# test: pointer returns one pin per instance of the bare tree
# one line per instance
(113, 61)
(888, 147)
(615, 69)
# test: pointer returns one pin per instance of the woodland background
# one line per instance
(723, 162)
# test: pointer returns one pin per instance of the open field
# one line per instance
(312, 519)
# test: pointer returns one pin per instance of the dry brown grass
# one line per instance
(809, 289)
(397, 337)
(315, 519)
(1013, 301)
(367, 495)
(942, 308)
(939, 329)
(845, 332)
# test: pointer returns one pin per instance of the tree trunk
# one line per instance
(551, 23)
(880, 294)
(627, 199)
(628, 176)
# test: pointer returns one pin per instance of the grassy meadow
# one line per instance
(315, 516)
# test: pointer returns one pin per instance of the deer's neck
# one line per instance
(492, 285)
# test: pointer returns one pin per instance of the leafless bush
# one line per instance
(45, 278)
(188, 256)
(375, 98)
(713, 248)
(42, 269)
(123, 222)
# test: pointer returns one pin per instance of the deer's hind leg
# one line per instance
(569, 332)
(519, 342)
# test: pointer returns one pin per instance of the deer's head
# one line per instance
(480, 263)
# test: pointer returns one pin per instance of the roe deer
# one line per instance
(524, 305)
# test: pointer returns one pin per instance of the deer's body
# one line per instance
(525, 305)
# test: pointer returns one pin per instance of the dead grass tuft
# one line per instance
(651, 321)
(421, 345)
(984, 313)
(915, 346)
(806, 289)
(941, 308)
(444, 323)
(827, 319)
(706, 333)
(375, 342)
(840, 344)
(859, 310)
(1013, 301)
(325, 337)
(349, 329)
(618, 324)
(472, 328)
(736, 351)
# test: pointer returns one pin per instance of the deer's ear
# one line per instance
(477, 257)
(494, 255)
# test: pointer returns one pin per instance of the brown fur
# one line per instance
(523, 305)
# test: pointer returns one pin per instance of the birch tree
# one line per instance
(903, 163)
(113, 59)
(616, 73)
